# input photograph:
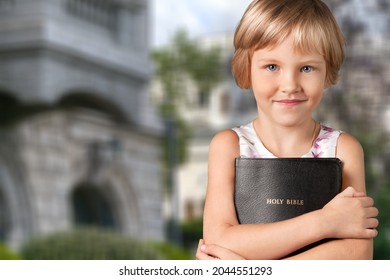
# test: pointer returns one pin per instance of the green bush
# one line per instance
(382, 247)
(89, 244)
(192, 232)
(7, 254)
(189, 234)
(172, 252)
(382, 241)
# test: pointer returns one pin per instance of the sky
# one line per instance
(198, 17)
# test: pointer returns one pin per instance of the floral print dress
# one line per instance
(324, 146)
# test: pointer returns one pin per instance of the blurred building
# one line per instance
(366, 25)
(80, 144)
(362, 97)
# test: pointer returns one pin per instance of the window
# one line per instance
(100, 12)
(224, 103)
(92, 208)
(203, 99)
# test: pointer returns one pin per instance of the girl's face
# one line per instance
(287, 84)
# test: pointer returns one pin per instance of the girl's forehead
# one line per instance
(303, 39)
(295, 46)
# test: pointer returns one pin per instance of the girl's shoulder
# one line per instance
(348, 142)
(225, 138)
(348, 147)
(225, 141)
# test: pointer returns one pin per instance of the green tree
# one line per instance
(183, 60)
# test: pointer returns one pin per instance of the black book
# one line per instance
(276, 189)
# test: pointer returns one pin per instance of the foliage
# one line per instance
(382, 242)
(378, 186)
(189, 233)
(175, 65)
(374, 146)
(186, 233)
(382, 245)
(383, 204)
(172, 252)
(99, 244)
(184, 59)
(89, 244)
(7, 254)
(174, 146)
(192, 231)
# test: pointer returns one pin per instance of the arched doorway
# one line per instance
(92, 207)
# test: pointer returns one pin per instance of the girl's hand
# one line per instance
(215, 252)
(351, 214)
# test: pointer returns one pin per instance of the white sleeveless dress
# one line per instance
(251, 146)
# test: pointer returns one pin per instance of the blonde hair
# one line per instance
(267, 23)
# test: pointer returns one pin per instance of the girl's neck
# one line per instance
(287, 141)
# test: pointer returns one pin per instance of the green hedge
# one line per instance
(89, 244)
(382, 241)
(7, 254)
(192, 232)
(382, 247)
(172, 252)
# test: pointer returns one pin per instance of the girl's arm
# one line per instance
(275, 240)
(214, 252)
(351, 154)
(327, 251)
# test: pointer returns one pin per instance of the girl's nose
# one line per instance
(289, 83)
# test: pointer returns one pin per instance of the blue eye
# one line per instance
(307, 69)
(272, 67)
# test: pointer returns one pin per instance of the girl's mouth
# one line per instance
(290, 102)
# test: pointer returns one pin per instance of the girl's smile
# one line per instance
(290, 102)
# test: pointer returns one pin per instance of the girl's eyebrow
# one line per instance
(276, 61)
(313, 61)
(267, 60)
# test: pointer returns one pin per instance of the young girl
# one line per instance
(287, 52)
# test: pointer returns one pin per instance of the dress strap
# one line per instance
(326, 143)
(250, 145)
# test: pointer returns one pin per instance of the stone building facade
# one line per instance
(80, 145)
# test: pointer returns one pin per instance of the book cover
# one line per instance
(275, 189)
